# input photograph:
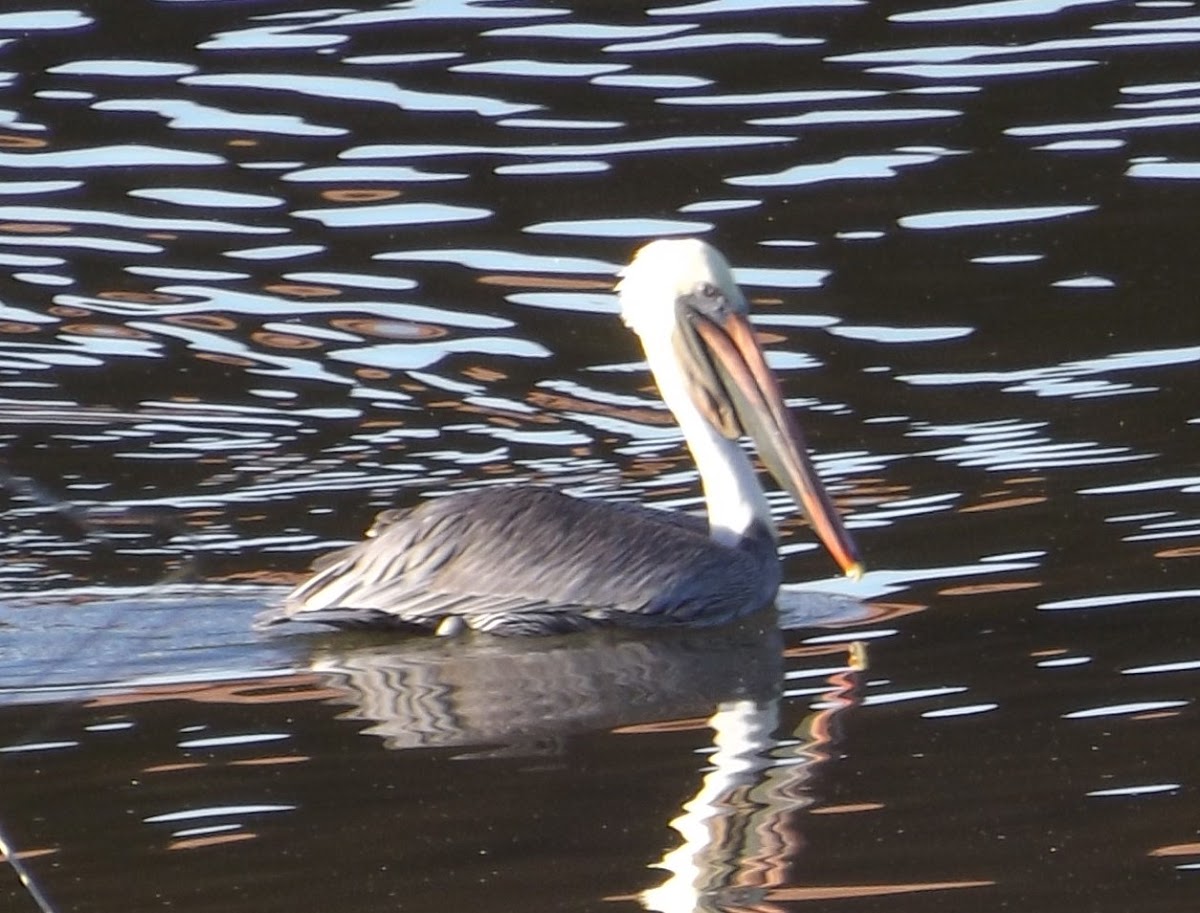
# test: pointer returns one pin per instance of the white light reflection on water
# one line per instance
(1175, 171)
(884, 515)
(719, 205)
(713, 41)
(983, 70)
(718, 7)
(203, 300)
(131, 155)
(667, 144)
(1009, 444)
(109, 66)
(1063, 662)
(217, 811)
(45, 20)
(567, 302)
(189, 115)
(1185, 484)
(1006, 259)
(780, 278)
(275, 252)
(25, 188)
(620, 228)
(227, 741)
(883, 582)
(1118, 599)
(1075, 379)
(574, 167)
(353, 174)
(587, 31)
(1084, 282)
(405, 356)
(849, 167)
(1081, 145)
(1124, 709)
(920, 694)
(1190, 665)
(959, 53)
(1136, 790)
(652, 81)
(974, 218)
(453, 10)
(553, 123)
(353, 280)
(126, 220)
(856, 116)
(486, 260)
(350, 88)
(539, 68)
(37, 746)
(789, 97)
(1108, 126)
(999, 9)
(84, 242)
(393, 214)
(204, 197)
(900, 335)
(964, 710)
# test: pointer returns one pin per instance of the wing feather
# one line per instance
(533, 560)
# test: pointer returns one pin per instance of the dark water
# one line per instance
(271, 267)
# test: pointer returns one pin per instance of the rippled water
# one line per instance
(272, 267)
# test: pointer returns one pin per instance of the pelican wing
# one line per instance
(532, 560)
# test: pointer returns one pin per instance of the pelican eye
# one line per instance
(708, 297)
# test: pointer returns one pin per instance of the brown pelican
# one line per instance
(530, 560)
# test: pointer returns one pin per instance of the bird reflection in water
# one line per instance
(491, 697)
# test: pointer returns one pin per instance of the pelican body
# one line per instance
(531, 560)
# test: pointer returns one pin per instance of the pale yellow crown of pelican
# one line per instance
(661, 272)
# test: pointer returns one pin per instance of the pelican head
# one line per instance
(680, 297)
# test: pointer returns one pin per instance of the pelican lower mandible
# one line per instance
(531, 560)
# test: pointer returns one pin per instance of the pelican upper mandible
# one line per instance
(531, 560)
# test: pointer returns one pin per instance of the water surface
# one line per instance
(273, 267)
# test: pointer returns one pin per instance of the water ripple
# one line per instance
(357, 89)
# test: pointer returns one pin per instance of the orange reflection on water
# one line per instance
(545, 282)
(1186, 551)
(202, 321)
(140, 297)
(1176, 849)
(388, 329)
(987, 589)
(836, 892)
(282, 689)
(483, 374)
(107, 330)
(1025, 501)
(559, 402)
(301, 290)
(193, 843)
(11, 141)
(34, 228)
(29, 854)
(284, 340)
(359, 195)
(851, 809)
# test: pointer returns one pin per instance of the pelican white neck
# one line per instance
(651, 287)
